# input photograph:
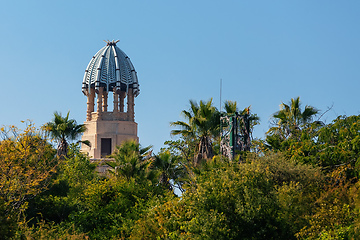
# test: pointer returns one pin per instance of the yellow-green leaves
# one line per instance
(27, 162)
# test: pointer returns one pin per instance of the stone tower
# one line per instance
(109, 75)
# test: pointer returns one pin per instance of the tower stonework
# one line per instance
(109, 75)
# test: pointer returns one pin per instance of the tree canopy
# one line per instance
(300, 182)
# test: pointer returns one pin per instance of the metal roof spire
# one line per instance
(111, 43)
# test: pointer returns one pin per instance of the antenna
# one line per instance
(220, 118)
(220, 92)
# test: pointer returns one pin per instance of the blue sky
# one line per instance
(265, 52)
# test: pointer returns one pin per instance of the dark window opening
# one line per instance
(105, 147)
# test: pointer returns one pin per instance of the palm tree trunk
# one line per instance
(205, 150)
(62, 150)
(164, 181)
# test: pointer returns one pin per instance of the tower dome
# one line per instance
(111, 68)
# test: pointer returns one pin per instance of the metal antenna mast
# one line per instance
(220, 117)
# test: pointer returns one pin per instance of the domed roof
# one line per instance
(111, 68)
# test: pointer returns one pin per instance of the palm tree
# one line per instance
(170, 170)
(291, 119)
(231, 108)
(64, 129)
(202, 127)
(132, 161)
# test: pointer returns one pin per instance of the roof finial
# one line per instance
(111, 43)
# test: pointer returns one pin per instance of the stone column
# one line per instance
(90, 103)
(105, 97)
(88, 111)
(92, 99)
(121, 101)
(130, 105)
(116, 101)
(99, 100)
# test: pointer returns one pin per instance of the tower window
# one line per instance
(105, 147)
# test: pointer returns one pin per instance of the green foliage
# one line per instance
(109, 208)
(27, 163)
(163, 221)
(202, 126)
(299, 183)
(330, 146)
(73, 176)
(180, 148)
(171, 170)
(333, 215)
(228, 200)
(231, 108)
(77, 170)
(63, 129)
(303, 149)
(340, 142)
(49, 231)
(131, 161)
(334, 147)
(289, 123)
(80, 201)
(8, 220)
